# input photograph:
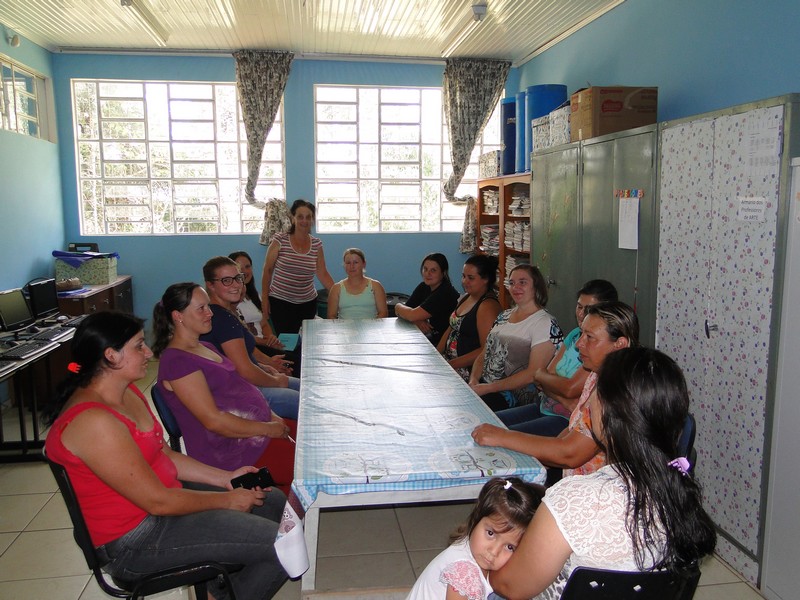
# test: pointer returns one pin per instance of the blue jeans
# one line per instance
(529, 419)
(284, 402)
(224, 536)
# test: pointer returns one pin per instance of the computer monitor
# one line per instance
(43, 297)
(14, 311)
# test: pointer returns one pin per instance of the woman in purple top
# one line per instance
(224, 419)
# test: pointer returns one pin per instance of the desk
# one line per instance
(29, 377)
(385, 420)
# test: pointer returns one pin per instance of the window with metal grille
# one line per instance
(19, 104)
(159, 157)
(382, 156)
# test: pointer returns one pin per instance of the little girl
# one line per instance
(492, 532)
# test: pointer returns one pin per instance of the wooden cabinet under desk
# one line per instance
(117, 295)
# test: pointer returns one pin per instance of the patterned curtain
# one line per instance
(471, 88)
(277, 219)
(260, 79)
(469, 233)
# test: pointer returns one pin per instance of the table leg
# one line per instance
(311, 526)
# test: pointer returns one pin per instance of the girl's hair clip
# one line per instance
(507, 485)
(681, 464)
(74, 367)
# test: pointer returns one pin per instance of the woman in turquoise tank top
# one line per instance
(357, 296)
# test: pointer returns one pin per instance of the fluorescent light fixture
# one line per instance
(147, 20)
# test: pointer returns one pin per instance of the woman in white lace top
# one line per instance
(642, 511)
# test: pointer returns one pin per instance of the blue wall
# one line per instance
(31, 216)
(156, 262)
(702, 54)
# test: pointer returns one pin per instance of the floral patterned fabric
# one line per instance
(591, 512)
(471, 89)
(260, 80)
(277, 219)
(469, 233)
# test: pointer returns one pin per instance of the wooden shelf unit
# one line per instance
(506, 187)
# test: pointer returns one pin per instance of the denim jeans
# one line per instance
(225, 536)
(529, 419)
(284, 402)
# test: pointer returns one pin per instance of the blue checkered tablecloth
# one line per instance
(381, 410)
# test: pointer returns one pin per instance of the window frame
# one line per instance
(357, 221)
(170, 197)
(10, 109)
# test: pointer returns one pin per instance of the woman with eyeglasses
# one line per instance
(224, 284)
(224, 419)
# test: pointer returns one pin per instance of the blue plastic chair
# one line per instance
(167, 418)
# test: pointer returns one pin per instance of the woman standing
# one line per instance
(293, 259)
(357, 296)
(607, 327)
(643, 511)
(232, 338)
(470, 322)
(433, 300)
(224, 419)
(523, 339)
(147, 507)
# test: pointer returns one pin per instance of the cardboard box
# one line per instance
(600, 110)
(559, 126)
(540, 133)
(490, 164)
(97, 271)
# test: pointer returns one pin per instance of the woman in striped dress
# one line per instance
(293, 260)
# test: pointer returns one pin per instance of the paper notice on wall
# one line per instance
(751, 209)
(629, 223)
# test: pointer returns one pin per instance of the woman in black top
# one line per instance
(432, 300)
(474, 315)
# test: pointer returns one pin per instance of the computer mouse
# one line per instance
(62, 318)
(33, 329)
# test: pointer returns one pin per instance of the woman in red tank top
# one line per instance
(147, 507)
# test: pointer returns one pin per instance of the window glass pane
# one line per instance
(396, 155)
(168, 158)
(19, 100)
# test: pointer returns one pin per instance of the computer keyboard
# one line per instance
(27, 349)
(74, 322)
(53, 334)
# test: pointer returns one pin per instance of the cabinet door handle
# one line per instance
(551, 282)
(710, 328)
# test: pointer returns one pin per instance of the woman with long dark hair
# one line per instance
(432, 301)
(642, 511)
(147, 507)
(473, 316)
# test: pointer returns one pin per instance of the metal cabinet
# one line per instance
(576, 192)
(724, 197)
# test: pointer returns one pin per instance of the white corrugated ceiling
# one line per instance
(397, 29)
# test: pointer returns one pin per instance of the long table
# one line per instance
(385, 420)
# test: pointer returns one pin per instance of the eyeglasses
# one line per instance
(228, 281)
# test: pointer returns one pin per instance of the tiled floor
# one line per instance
(375, 548)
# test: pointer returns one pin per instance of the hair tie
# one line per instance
(74, 367)
(507, 485)
(681, 464)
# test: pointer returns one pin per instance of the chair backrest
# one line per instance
(167, 418)
(598, 584)
(79, 529)
(686, 441)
